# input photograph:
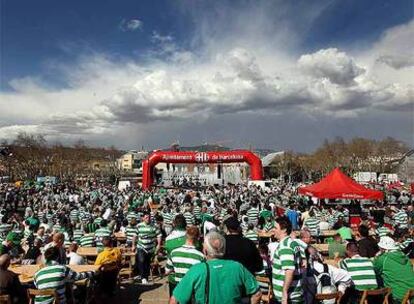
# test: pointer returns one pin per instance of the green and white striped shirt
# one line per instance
(131, 215)
(74, 215)
(197, 212)
(252, 235)
(269, 226)
(382, 231)
(77, 234)
(147, 236)
(401, 219)
(168, 218)
(406, 243)
(287, 256)
(181, 260)
(361, 271)
(253, 214)
(87, 240)
(312, 223)
(98, 220)
(131, 232)
(5, 229)
(55, 276)
(189, 218)
(100, 234)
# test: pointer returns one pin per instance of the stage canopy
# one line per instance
(338, 185)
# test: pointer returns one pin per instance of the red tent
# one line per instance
(338, 185)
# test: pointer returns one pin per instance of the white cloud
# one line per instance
(390, 59)
(230, 83)
(130, 25)
(337, 66)
(231, 75)
(397, 62)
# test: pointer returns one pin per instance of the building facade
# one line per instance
(132, 161)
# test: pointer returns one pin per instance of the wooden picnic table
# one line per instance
(83, 268)
(93, 252)
(328, 233)
(26, 272)
(120, 236)
(322, 248)
(88, 251)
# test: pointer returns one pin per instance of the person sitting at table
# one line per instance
(88, 239)
(367, 245)
(312, 223)
(33, 254)
(74, 257)
(343, 230)
(361, 271)
(102, 232)
(406, 242)
(55, 276)
(336, 249)
(323, 278)
(9, 281)
(109, 254)
(12, 242)
(107, 279)
(40, 234)
(394, 268)
(57, 241)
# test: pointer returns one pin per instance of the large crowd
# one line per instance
(219, 244)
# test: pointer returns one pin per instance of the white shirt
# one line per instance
(107, 213)
(339, 277)
(75, 259)
(208, 226)
(272, 248)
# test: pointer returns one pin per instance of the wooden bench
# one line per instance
(32, 293)
(376, 292)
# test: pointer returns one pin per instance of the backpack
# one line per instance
(317, 282)
(323, 277)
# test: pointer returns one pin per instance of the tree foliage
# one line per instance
(357, 154)
(32, 156)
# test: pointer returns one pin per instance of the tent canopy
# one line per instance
(338, 185)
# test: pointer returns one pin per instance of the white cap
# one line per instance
(387, 243)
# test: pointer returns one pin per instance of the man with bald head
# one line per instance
(9, 281)
(58, 241)
(217, 280)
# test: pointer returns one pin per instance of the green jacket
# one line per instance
(396, 271)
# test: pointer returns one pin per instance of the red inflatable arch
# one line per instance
(234, 156)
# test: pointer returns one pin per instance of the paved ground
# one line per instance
(151, 294)
(158, 294)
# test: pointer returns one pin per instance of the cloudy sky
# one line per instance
(267, 74)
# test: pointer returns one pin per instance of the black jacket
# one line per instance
(368, 247)
(244, 251)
